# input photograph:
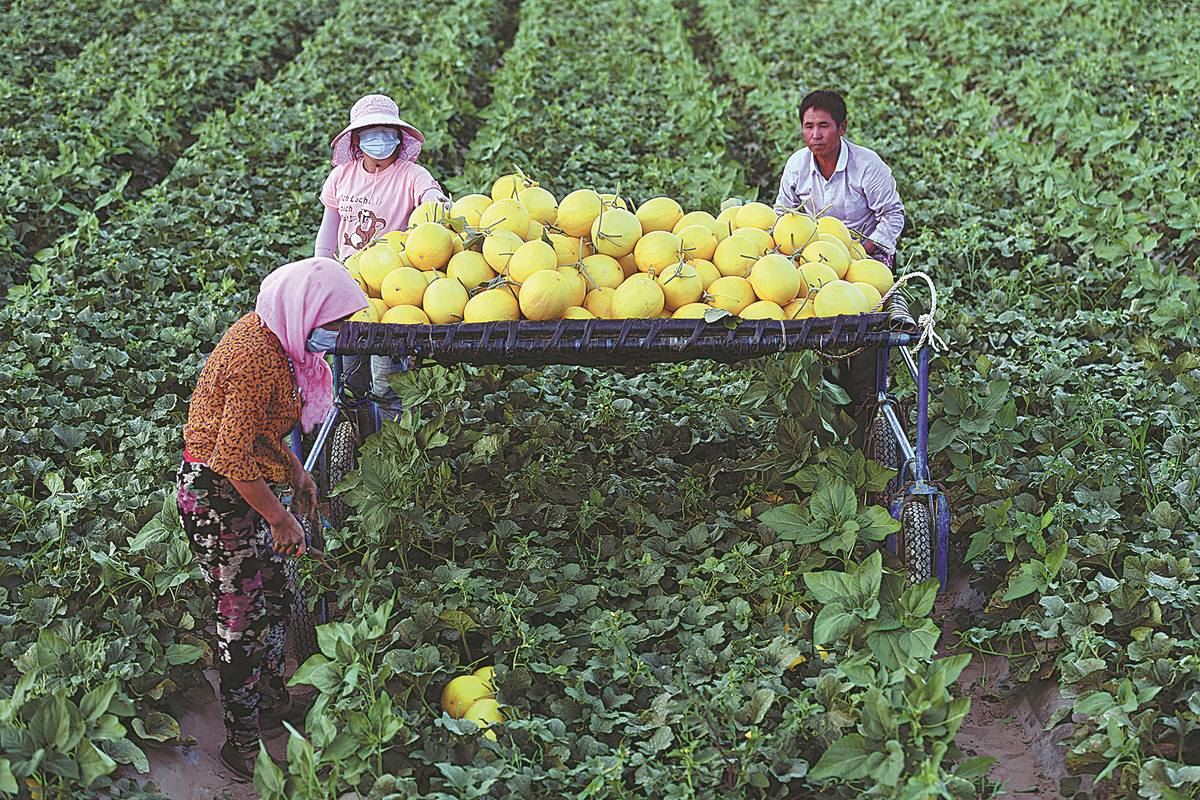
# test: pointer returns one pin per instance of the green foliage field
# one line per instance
(610, 539)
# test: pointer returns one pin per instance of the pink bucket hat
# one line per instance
(367, 112)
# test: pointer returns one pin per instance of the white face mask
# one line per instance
(379, 143)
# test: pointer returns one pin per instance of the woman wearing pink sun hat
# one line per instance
(373, 188)
(375, 183)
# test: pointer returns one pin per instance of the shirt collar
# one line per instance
(843, 157)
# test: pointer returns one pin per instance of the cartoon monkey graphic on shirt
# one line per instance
(368, 227)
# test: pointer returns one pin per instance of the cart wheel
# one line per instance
(339, 462)
(302, 623)
(916, 539)
(881, 446)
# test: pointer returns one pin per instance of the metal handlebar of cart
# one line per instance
(911, 497)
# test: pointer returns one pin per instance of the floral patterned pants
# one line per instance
(250, 594)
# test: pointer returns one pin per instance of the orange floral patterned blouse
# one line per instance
(245, 402)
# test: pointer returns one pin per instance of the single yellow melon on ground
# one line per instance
(463, 692)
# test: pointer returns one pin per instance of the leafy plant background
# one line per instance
(637, 551)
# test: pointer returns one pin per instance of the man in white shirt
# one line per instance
(833, 176)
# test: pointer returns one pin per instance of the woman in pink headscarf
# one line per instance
(267, 374)
(373, 188)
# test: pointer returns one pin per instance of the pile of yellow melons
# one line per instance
(521, 254)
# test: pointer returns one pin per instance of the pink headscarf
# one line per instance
(293, 300)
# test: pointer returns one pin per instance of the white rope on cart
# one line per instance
(925, 321)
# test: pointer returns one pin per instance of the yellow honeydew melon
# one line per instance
(839, 297)
(463, 692)
(656, 251)
(492, 304)
(368, 314)
(613, 201)
(507, 187)
(470, 208)
(628, 265)
(691, 311)
(576, 283)
(615, 232)
(509, 214)
(828, 253)
(403, 286)
(470, 269)
(681, 285)
(857, 251)
(638, 297)
(774, 277)
(870, 292)
(578, 312)
(578, 211)
(730, 292)
(600, 270)
(432, 275)
(376, 263)
(800, 308)
(868, 270)
(542, 205)
(429, 246)
(698, 241)
(485, 713)
(814, 275)
(498, 248)
(762, 240)
(727, 222)
(762, 309)
(395, 240)
(536, 231)
(735, 256)
(708, 272)
(405, 314)
(755, 215)
(529, 258)
(659, 214)
(444, 301)
(834, 226)
(429, 211)
(569, 249)
(599, 302)
(829, 237)
(794, 231)
(546, 294)
(696, 218)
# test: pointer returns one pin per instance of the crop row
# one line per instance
(637, 114)
(1095, 134)
(77, 138)
(37, 37)
(101, 351)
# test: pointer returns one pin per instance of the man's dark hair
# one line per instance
(826, 100)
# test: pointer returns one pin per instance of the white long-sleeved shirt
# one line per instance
(861, 192)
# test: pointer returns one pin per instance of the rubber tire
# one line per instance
(916, 540)
(302, 623)
(340, 460)
(881, 446)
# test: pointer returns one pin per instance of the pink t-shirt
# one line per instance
(374, 204)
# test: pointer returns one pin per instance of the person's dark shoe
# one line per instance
(292, 709)
(239, 763)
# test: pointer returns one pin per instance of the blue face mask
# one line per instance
(379, 143)
(320, 340)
